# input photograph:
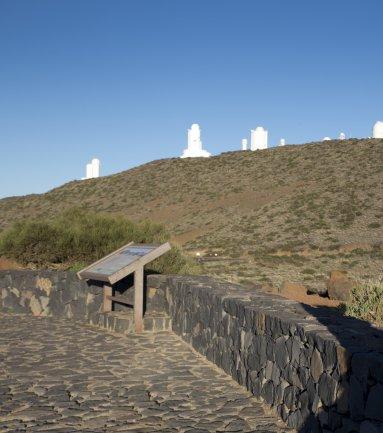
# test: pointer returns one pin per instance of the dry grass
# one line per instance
(366, 301)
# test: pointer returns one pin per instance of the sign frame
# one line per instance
(136, 267)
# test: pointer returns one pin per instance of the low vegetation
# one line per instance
(76, 238)
(366, 301)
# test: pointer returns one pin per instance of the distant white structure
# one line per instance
(326, 139)
(93, 169)
(258, 138)
(342, 136)
(244, 143)
(282, 142)
(377, 130)
(96, 167)
(194, 149)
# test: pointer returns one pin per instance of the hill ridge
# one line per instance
(266, 214)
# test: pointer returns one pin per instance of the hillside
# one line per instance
(290, 213)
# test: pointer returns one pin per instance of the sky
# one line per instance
(122, 80)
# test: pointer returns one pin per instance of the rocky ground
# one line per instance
(60, 376)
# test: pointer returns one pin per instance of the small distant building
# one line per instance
(377, 130)
(244, 143)
(258, 138)
(96, 167)
(342, 136)
(92, 169)
(282, 142)
(194, 149)
(326, 139)
(89, 171)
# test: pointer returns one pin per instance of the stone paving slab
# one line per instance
(59, 376)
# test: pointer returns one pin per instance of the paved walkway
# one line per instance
(56, 376)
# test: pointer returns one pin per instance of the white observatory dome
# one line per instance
(377, 131)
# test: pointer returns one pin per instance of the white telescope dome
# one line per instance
(377, 131)
(194, 149)
(258, 138)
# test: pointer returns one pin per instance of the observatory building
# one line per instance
(282, 142)
(194, 149)
(93, 169)
(244, 143)
(377, 131)
(258, 138)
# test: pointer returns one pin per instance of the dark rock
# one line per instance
(294, 347)
(374, 405)
(303, 400)
(329, 355)
(376, 366)
(281, 353)
(343, 396)
(290, 397)
(295, 419)
(316, 365)
(334, 420)
(369, 427)
(291, 375)
(268, 392)
(327, 389)
(279, 391)
(304, 375)
(357, 399)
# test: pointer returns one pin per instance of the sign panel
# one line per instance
(122, 262)
(121, 259)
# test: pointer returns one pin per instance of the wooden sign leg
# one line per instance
(139, 299)
(107, 303)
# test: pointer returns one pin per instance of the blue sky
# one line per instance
(123, 80)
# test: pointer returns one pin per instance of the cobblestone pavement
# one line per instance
(58, 376)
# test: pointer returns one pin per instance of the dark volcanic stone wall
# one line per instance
(61, 294)
(320, 371)
(50, 293)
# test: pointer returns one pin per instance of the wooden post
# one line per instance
(107, 304)
(138, 298)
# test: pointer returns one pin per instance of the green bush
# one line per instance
(76, 238)
(374, 225)
(367, 301)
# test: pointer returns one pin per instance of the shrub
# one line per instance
(367, 301)
(374, 225)
(77, 237)
(308, 271)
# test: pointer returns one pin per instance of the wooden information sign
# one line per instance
(130, 258)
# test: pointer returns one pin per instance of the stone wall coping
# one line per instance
(319, 324)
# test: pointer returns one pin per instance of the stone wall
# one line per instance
(321, 372)
(50, 293)
(61, 294)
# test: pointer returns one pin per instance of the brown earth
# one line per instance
(298, 292)
(6, 264)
